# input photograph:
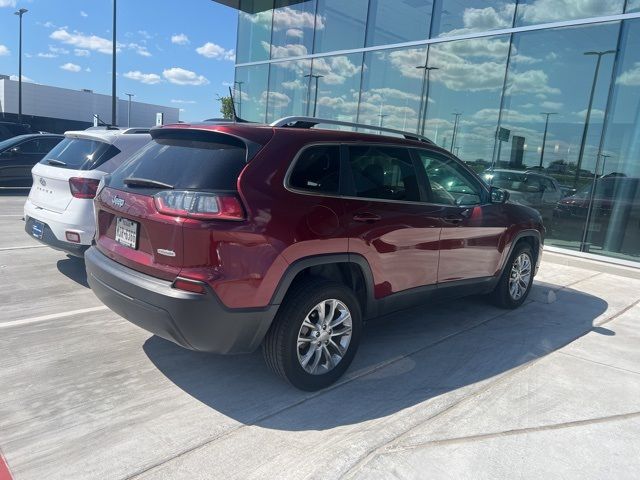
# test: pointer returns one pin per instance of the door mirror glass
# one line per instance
(498, 195)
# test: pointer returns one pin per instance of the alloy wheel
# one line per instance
(520, 276)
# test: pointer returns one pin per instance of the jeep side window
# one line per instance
(449, 183)
(317, 170)
(385, 173)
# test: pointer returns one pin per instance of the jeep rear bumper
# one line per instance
(192, 320)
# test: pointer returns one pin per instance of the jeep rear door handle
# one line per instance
(366, 217)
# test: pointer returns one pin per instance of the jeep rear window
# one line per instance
(317, 170)
(79, 154)
(187, 160)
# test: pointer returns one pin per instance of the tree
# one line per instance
(226, 107)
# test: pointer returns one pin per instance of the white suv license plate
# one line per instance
(127, 232)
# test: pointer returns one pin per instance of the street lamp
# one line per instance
(239, 98)
(113, 68)
(129, 108)
(424, 97)
(588, 117)
(455, 129)
(315, 100)
(544, 137)
(20, 13)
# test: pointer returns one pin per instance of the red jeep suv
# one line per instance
(223, 237)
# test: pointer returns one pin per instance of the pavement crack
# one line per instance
(519, 431)
(599, 363)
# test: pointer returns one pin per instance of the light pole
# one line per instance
(424, 96)
(315, 100)
(20, 13)
(604, 162)
(588, 117)
(113, 68)
(544, 137)
(239, 98)
(455, 129)
(381, 119)
(129, 108)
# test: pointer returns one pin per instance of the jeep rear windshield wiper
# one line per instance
(145, 182)
(53, 161)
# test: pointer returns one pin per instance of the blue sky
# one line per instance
(169, 54)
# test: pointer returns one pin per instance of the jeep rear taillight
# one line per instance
(199, 205)
(83, 187)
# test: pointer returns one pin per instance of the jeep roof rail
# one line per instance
(309, 122)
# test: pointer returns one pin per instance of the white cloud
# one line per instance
(83, 14)
(227, 84)
(47, 55)
(58, 50)
(147, 78)
(552, 105)
(182, 102)
(7, 3)
(24, 78)
(596, 113)
(540, 11)
(631, 77)
(212, 50)
(180, 76)
(295, 33)
(139, 49)
(87, 69)
(48, 24)
(285, 18)
(79, 52)
(180, 39)
(4, 51)
(285, 51)
(71, 67)
(530, 81)
(90, 42)
(144, 34)
(276, 99)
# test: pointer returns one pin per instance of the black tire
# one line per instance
(280, 346)
(501, 295)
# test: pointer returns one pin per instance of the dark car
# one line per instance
(18, 155)
(225, 237)
(12, 129)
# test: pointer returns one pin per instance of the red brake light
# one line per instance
(202, 205)
(83, 187)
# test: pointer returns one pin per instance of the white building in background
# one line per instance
(56, 109)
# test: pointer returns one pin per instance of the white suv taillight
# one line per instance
(83, 187)
(201, 205)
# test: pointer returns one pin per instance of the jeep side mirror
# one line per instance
(499, 195)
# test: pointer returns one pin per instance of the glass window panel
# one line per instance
(337, 80)
(633, 6)
(449, 184)
(614, 227)
(288, 89)
(452, 18)
(293, 29)
(464, 89)
(254, 31)
(250, 92)
(550, 77)
(317, 170)
(340, 25)
(391, 87)
(396, 21)
(531, 12)
(383, 172)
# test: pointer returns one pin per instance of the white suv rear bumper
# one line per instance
(77, 218)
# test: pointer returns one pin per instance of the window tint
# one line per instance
(317, 170)
(187, 160)
(449, 183)
(383, 172)
(76, 154)
(46, 144)
(30, 146)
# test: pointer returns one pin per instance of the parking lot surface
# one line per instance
(458, 390)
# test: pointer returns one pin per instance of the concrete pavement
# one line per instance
(460, 390)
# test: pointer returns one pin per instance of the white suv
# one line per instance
(59, 210)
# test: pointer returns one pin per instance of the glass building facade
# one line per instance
(540, 97)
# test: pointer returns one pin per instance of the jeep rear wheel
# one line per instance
(315, 334)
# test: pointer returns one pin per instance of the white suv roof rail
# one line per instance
(309, 122)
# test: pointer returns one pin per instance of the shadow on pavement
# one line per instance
(73, 268)
(404, 360)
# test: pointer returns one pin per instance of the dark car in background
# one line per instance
(18, 155)
(13, 129)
